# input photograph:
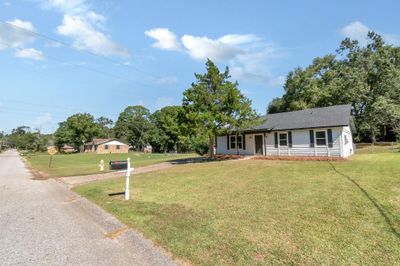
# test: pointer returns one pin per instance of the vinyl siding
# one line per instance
(300, 144)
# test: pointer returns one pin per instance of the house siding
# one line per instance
(300, 144)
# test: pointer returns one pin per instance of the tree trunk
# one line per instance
(373, 138)
(211, 145)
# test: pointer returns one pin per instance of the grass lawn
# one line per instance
(267, 212)
(87, 163)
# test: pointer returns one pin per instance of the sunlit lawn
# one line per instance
(267, 212)
(87, 163)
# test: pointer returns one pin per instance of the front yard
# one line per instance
(87, 163)
(267, 212)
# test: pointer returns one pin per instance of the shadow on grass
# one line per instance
(189, 160)
(383, 212)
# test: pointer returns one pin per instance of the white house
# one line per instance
(325, 131)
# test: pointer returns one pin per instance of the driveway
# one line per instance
(42, 222)
(73, 181)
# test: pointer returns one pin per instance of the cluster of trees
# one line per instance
(212, 105)
(368, 77)
(24, 138)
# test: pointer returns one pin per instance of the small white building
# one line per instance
(325, 131)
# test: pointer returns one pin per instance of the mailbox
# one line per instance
(118, 165)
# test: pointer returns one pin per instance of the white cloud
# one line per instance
(356, 31)
(237, 39)
(30, 53)
(165, 39)
(86, 37)
(203, 48)
(15, 36)
(67, 6)
(96, 18)
(85, 27)
(163, 101)
(248, 56)
(359, 31)
(42, 120)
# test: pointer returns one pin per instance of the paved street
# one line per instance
(43, 223)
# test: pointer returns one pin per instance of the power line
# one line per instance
(86, 51)
(81, 66)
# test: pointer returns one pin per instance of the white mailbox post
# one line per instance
(122, 166)
(128, 174)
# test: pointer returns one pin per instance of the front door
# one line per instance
(259, 144)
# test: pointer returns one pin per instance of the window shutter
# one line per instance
(330, 139)
(244, 141)
(290, 139)
(227, 142)
(312, 144)
(276, 139)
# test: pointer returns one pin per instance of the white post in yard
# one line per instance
(128, 174)
(101, 165)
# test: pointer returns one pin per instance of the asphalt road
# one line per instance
(43, 223)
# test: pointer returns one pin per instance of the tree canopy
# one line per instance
(368, 77)
(77, 129)
(133, 126)
(215, 105)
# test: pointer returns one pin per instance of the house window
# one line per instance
(236, 142)
(106, 147)
(283, 139)
(117, 147)
(239, 142)
(233, 142)
(346, 140)
(320, 138)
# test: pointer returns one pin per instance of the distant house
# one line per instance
(323, 131)
(67, 149)
(106, 146)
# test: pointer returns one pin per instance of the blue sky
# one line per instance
(101, 56)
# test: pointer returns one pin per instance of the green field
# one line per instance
(87, 163)
(267, 212)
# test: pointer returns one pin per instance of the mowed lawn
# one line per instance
(267, 212)
(88, 163)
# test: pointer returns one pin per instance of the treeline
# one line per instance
(368, 77)
(137, 126)
(24, 138)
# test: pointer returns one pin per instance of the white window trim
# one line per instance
(287, 139)
(326, 137)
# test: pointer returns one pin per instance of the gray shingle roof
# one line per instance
(338, 115)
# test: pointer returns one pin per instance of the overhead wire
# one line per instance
(86, 51)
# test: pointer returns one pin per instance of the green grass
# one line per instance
(87, 163)
(267, 212)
